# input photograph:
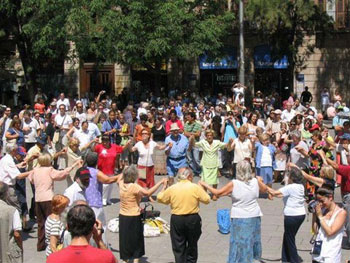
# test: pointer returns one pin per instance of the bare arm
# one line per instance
(224, 191)
(275, 193)
(104, 179)
(149, 192)
(53, 243)
(337, 224)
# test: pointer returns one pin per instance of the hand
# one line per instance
(35, 155)
(165, 181)
(318, 210)
(96, 140)
(170, 145)
(290, 165)
(22, 165)
(63, 151)
(230, 141)
(97, 230)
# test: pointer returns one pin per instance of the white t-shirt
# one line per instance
(244, 199)
(65, 102)
(288, 115)
(81, 116)
(294, 199)
(30, 136)
(83, 137)
(145, 155)
(242, 150)
(266, 160)
(297, 158)
(62, 121)
(16, 221)
(343, 154)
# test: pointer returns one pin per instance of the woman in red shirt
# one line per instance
(40, 107)
(107, 155)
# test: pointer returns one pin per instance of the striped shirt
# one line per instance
(53, 227)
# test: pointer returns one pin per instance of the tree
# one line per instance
(37, 27)
(286, 24)
(148, 32)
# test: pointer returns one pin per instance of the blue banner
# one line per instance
(229, 61)
(262, 59)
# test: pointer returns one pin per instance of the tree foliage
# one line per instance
(144, 32)
(37, 27)
(284, 25)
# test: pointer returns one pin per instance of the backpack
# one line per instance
(224, 220)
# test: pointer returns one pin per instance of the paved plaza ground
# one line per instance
(213, 246)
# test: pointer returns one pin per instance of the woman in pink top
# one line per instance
(43, 177)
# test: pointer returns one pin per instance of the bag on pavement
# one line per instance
(224, 220)
(113, 225)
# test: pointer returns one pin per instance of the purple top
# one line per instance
(94, 192)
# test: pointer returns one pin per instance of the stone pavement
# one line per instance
(213, 246)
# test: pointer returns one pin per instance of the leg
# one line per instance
(291, 227)
(178, 239)
(193, 233)
(214, 197)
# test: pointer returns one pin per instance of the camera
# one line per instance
(312, 206)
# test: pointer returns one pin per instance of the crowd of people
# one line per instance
(96, 145)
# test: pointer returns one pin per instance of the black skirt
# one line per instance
(131, 240)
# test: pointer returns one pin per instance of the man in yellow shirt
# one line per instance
(185, 222)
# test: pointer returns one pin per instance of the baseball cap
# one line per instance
(21, 151)
(82, 172)
(345, 136)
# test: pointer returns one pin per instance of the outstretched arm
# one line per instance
(226, 190)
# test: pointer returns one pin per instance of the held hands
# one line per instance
(22, 165)
(170, 145)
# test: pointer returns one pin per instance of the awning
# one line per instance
(229, 61)
(262, 59)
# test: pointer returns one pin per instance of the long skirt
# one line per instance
(131, 240)
(245, 240)
(149, 181)
(159, 159)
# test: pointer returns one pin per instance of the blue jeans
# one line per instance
(291, 227)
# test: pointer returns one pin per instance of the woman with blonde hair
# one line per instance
(73, 155)
(53, 225)
(43, 177)
(210, 161)
(245, 239)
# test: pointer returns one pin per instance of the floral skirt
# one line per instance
(245, 240)
(159, 160)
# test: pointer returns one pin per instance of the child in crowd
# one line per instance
(265, 159)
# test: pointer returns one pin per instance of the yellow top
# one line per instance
(184, 197)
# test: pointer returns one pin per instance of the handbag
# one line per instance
(149, 214)
(223, 219)
(142, 172)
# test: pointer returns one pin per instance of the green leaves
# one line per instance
(285, 24)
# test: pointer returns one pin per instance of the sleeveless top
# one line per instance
(331, 246)
(94, 192)
(244, 199)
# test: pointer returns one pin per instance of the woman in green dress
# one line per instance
(210, 160)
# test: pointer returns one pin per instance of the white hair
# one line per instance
(244, 171)
(184, 173)
(10, 148)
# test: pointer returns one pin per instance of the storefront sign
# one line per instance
(262, 59)
(225, 79)
(227, 62)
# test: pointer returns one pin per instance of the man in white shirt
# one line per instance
(343, 148)
(77, 190)
(9, 173)
(62, 120)
(299, 153)
(31, 128)
(288, 114)
(79, 113)
(5, 122)
(83, 135)
(64, 101)
(94, 131)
